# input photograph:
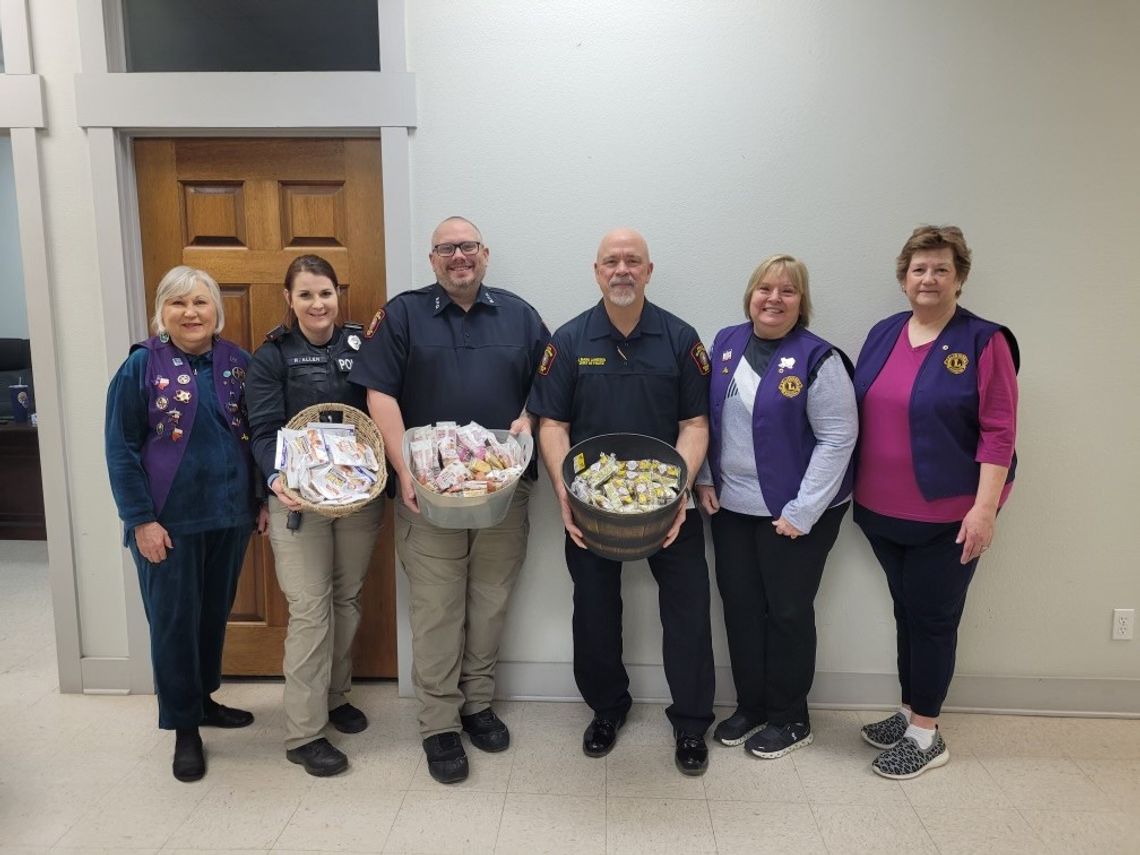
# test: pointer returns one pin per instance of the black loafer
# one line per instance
(486, 731)
(447, 761)
(348, 719)
(218, 715)
(189, 755)
(319, 757)
(600, 736)
(692, 755)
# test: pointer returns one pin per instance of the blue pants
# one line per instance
(682, 576)
(928, 585)
(187, 599)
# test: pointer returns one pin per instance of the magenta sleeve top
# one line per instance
(885, 482)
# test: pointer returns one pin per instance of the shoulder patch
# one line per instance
(548, 356)
(701, 357)
(377, 319)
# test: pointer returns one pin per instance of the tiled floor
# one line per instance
(91, 775)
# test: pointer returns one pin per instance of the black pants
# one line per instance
(682, 576)
(187, 599)
(928, 585)
(768, 584)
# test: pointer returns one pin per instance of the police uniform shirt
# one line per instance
(444, 364)
(603, 382)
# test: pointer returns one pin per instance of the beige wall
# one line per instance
(727, 131)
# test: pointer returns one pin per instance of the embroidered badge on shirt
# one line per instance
(791, 386)
(547, 359)
(701, 357)
(956, 363)
(377, 319)
(591, 360)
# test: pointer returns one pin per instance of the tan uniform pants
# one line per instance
(321, 569)
(460, 582)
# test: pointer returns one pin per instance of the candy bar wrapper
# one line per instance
(370, 461)
(451, 478)
(422, 434)
(446, 442)
(344, 449)
(473, 436)
(473, 489)
(279, 451)
(317, 450)
(425, 462)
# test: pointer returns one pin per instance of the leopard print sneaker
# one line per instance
(886, 733)
(906, 760)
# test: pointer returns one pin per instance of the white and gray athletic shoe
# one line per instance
(886, 733)
(777, 740)
(906, 760)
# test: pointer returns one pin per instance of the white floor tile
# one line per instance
(552, 825)
(664, 826)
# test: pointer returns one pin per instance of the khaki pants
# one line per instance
(460, 582)
(321, 569)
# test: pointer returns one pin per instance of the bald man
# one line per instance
(627, 366)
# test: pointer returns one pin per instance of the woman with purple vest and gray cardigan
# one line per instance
(177, 447)
(937, 390)
(783, 426)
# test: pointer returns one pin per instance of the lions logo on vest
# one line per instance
(791, 386)
(956, 363)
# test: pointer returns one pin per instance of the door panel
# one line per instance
(242, 210)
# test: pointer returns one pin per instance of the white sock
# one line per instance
(924, 737)
(906, 713)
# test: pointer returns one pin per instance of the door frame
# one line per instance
(210, 104)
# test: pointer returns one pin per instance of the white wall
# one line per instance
(726, 131)
(14, 315)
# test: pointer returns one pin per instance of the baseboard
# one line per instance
(1116, 697)
(105, 675)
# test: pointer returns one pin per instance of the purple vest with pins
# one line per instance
(779, 411)
(944, 429)
(172, 406)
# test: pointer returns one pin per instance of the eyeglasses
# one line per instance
(468, 247)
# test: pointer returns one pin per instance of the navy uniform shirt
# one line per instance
(601, 381)
(444, 364)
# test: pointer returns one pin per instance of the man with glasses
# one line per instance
(627, 366)
(458, 351)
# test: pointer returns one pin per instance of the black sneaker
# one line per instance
(886, 733)
(189, 756)
(348, 719)
(776, 740)
(735, 729)
(486, 731)
(219, 715)
(906, 760)
(319, 757)
(447, 761)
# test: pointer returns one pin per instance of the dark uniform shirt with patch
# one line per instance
(603, 382)
(441, 363)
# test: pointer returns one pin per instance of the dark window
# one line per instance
(251, 35)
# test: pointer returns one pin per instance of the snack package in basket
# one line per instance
(465, 461)
(325, 463)
(626, 486)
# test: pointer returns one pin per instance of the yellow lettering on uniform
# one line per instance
(591, 360)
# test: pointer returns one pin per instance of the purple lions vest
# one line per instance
(781, 433)
(944, 428)
(173, 404)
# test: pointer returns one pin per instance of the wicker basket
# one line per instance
(366, 433)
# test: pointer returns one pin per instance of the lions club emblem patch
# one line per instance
(791, 386)
(701, 357)
(547, 359)
(956, 363)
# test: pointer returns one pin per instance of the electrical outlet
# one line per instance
(1122, 622)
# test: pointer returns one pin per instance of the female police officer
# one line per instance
(322, 564)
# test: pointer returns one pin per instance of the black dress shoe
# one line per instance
(692, 755)
(217, 715)
(600, 736)
(348, 719)
(189, 755)
(447, 761)
(319, 757)
(486, 731)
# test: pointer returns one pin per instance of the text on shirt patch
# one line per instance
(701, 357)
(547, 359)
(791, 386)
(377, 319)
(591, 360)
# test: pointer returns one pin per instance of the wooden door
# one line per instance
(242, 210)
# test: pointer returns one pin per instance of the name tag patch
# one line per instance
(591, 360)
